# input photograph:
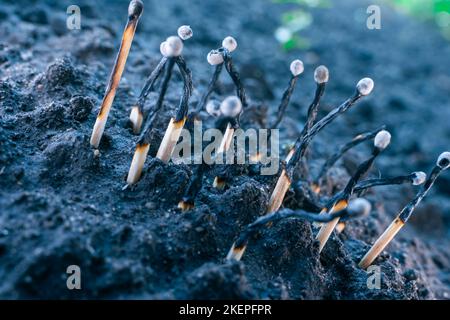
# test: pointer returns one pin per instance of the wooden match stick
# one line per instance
(296, 69)
(443, 163)
(360, 138)
(356, 209)
(231, 108)
(195, 185)
(277, 196)
(134, 12)
(339, 202)
(415, 178)
(176, 124)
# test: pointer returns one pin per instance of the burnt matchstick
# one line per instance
(134, 13)
(170, 48)
(356, 209)
(195, 184)
(340, 201)
(363, 88)
(443, 163)
(297, 69)
(360, 138)
(415, 178)
(168, 52)
(231, 108)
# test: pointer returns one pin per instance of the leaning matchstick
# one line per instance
(340, 201)
(231, 108)
(195, 185)
(230, 44)
(176, 124)
(342, 150)
(356, 209)
(363, 88)
(297, 69)
(134, 12)
(443, 163)
(415, 178)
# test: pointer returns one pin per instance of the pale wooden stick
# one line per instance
(170, 139)
(236, 253)
(381, 243)
(327, 229)
(224, 146)
(137, 163)
(282, 186)
(135, 11)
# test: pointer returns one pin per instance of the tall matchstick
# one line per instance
(443, 163)
(134, 12)
(340, 201)
(356, 209)
(231, 108)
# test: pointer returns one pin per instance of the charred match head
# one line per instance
(365, 86)
(229, 43)
(185, 32)
(418, 178)
(213, 108)
(172, 47)
(321, 74)
(357, 208)
(296, 67)
(214, 58)
(443, 161)
(382, 140)
(231, 107)
(135, 9)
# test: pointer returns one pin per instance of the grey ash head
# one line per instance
(231, 107)
(135, 9)
(418, 178)
(365, 86)
(443, 161)
(382, 139)
(321, 74)
(358, 208)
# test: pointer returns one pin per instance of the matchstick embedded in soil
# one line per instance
(194, 187)
(340, 201)
(171, 49)
(357, 208)
(360, 138)
(443, 163)
(134, 12)
(231, 108)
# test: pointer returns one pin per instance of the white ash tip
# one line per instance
(214, 58)
(231, 107)
(359, 207)
(443, 161)
(321, 74)
(419, 178)
(229, 43)
(96, 153)
(213, 108)
(382, 139)
(297, 67)
(135, 8)
(172, 47)
(365, 86)
(185, 32)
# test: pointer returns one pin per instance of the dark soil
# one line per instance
(59, 205)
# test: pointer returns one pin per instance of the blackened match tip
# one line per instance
(229, 43)
(297, 67)
(214, 58)
(231, 107)
(321, 74)
(382, 139)
(443, 161)
(419, 178)
(359, 207)
(365, 86)
(185, 32)
(135, 8)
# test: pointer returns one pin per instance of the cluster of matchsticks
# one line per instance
(340, 208)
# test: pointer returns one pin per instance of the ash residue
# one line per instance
(62, 205)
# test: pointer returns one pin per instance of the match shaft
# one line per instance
(327, 229)
(170, 139)
(282, 186)
(223, 147)
(236, 253)
(137, 163)
(381, 243)
(114, 81)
